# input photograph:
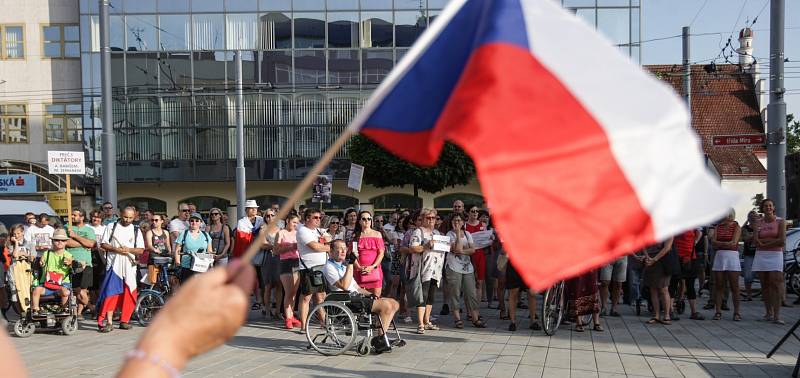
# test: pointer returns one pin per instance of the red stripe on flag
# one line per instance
(418, 147)
(558, 197)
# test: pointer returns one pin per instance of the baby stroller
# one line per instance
(52, 316)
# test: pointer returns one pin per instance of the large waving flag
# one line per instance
(582, 156)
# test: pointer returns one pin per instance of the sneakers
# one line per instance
(379, 345)
(295, 322)
(289, 323)
(535, 325)
(125, 326)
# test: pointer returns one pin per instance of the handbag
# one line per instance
(372, 276)
(53, 280)
(317, 279)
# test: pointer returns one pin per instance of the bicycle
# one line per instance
(553, 307)
(152, 299)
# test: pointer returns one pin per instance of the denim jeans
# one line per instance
(747, 270)
(634, 282)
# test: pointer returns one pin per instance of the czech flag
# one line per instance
(582, 156)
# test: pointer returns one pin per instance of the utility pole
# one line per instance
(687, 70)
(776, 111)
(240, 179)
(108, 147)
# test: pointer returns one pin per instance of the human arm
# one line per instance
(663, 252)
(226, 234)
(187, 326)
(778, 241)
(80, 241)
(148, 242)
(378, 259)
(344, 282)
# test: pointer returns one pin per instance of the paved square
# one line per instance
(628, 347)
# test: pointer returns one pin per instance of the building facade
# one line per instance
(308, 66)
(40, 92)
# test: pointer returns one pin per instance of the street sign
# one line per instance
(16, 184)
(66, 163)
(740, 140)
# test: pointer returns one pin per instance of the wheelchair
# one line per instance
(333, 326)
(52, 315)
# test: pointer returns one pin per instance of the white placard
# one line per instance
(482, 239)
(323, 189)
(202, 261)
(66, 163)
(356, 176)
(441, 243)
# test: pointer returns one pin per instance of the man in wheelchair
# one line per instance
(338, 274)
(55, 265)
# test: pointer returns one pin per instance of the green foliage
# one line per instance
(382, 169)
(792, 134)
(757, 199)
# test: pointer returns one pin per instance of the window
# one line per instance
(61, 41)
(13, 123)
(63, 123)
(13, 42)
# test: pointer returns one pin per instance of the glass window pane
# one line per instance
(174, 32)
(206, 6)
(343, 67)
(579, 3)
(54, 108)
(17, 109)
(409, 26)
(51, 33)
(139, 6)
(376, 65)
(173, 5)
(209, 70)
(209, 31)
(376, 4)
(399, 54)
(142, 71)
(175, 71)
(141, 33)
(309, 30)
(309, 5)
(52, 49)
(73, 108)
(587, 15)
(635, 25)
(437, 4)
(241, 5)
(72, 49)
(618, 3)
(432, 16)
(241, 31)
(342, 29)
(309, 68)
(342, 4)
(116, 33)
(276, 67)
(71, 33)
(377, 29)
(614, 23)
(272, 5)
(14, 42)
(408, 4)
(276, 31)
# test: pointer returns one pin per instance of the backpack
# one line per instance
(135, 233)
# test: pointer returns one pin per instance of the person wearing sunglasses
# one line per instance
(425, 273)
(181, 223)
(474, 225)
(286, 250)
(460, 273)
(368, 245)
(334, 228)
(191, 241)
(220, 236)
(349, 226)
(271, 269)
(313, 248)
(108, 214)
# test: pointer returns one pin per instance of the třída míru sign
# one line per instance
(17, 184)
(66, 163)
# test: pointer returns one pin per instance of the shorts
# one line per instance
(429, 292)
(726, 261)
(306, 288)
(513, 279)
(289, 266)
(479, 262)
(360, 303)
(615, 271)
(271, 270)
(768, 261)
(47, 291)
(84, 279)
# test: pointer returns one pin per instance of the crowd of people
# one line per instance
(406, 256)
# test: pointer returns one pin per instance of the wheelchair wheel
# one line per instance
(23, 328)
(69, 325)
(364, 348)
(331, 328)
(552, 308)
(147, 305)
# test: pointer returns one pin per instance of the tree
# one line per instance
(757, 199)
(792, 134)
(382, 169)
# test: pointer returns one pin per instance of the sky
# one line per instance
(711, 23)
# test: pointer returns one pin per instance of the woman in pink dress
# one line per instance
(369, 249)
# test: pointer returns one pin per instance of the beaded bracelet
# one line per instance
(155, 360)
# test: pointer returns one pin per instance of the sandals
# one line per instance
(653, 321)
(503, 314)
(665, 321)
(535, 325)
(431, 327)
(737, 317)
(578, 328)
(421, 330)
(106, 328)
(717, 316)
(697, 316)
(478, 324)
(778, 321)
(256, 306)
(598, 328)
(459, 324)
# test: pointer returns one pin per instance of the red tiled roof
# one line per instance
(723, 103)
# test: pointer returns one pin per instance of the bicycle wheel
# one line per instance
(147, 306)
(331, 328)
(552, 308)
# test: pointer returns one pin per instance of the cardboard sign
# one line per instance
(441, 243)
(323, 189)
(482, 239)
(356, 176)
(66, 163)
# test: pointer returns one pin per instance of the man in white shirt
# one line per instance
(181, 223)
(313, 254)
(246, 230)
(123, 242)
(339, 277)
(39, 234)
